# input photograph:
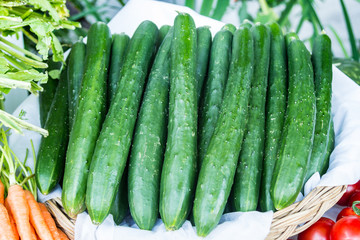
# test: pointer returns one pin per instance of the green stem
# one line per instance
(285, 14)
(190, 3)
(355, 53)
(17, 124)
(206, 7)
(29, 36)
(340, 42)
(315, 17)
(26, 52)
(220, 9)
(15, 63)
(27, 60)
(300, 24)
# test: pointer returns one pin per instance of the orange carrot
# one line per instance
(2, 192)
(5, 225)
(20, 210)
(62, 235)
(12, 221)
(36, 218)
(50, 222)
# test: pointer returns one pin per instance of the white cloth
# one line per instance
(344, 161)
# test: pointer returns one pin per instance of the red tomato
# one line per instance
(348, 211)
(347, 228)
(320, 230)
(354, 197)
(349, 191)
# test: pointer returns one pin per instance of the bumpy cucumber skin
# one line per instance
(329, 149)
(211, 100)
(149, 142)
(179, 168)
(298, 132)
(322, 64)
(218, 168)
(113, 145)
(51, 156)
(120, 206)
(75, 72)
(88, 119)
(275, 112)
(204, 40)
(119, 46)
(248, 173)
(164, 29)
(46, 97)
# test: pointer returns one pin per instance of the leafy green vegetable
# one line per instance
(19, 68)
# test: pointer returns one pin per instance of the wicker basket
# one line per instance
(287, 222)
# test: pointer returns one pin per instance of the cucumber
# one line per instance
(247, 23)
(164, 29)
(120, 206)
(204, 40)
(219, 165)
(179, 167)
(119, 46)
(47, 95)
(290, 37)
(75, 72)
(149, 142)
(230, 27)
(322, 64)
(275, 112)
(298, 132)
(113, 145)
(329, 149)
(88, 119)
(248, 173)
(51, 156)
(213, 89)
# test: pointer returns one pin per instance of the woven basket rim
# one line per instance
(287, 222)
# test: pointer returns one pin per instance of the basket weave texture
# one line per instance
(287, 222)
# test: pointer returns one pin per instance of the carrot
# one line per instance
(20, 210)
(5, 225)
(62, 235)
(50, 222)
(2, 192)
(36, 218)
(12, 221)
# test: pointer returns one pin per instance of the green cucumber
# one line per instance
(322, 64)
(88, 119)
(329, 149)
(120, 206)
(51, 156)
(248, 173)
(119, 46)
(204, 39)
(219, 165)
(47, 95)
(230, 27)
(75, 72)
(275, 112)
(113, 144)
(298, 132)
(179, 169)
(149, 142)
(290, 37)
(164, 29)
(213, 89)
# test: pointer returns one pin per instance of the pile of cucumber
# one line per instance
(179, 124)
